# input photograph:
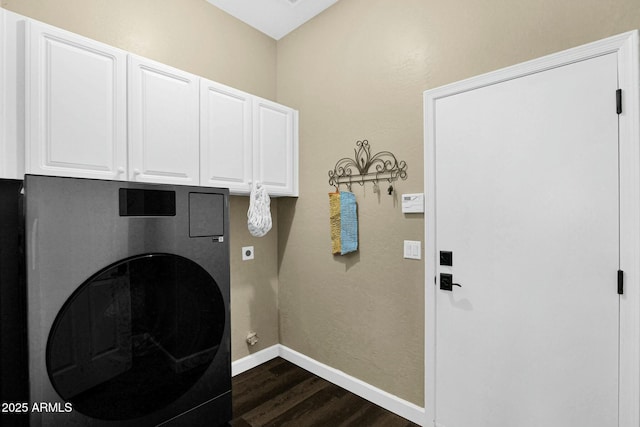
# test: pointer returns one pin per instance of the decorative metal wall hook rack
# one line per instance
(367, 168)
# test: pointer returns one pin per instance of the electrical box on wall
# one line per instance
(413, 203)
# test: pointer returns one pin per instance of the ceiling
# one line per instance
(275, 18)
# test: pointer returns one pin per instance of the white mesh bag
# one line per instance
(259, 214)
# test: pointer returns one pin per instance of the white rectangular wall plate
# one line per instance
(412, 249)
(247, 253)
(413, 203)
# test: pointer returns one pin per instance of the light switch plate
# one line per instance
(412, 249)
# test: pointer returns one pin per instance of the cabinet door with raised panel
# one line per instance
(163, 123)
(75, 121)
(225, 137)
(275, 147)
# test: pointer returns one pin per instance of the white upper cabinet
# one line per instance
(11, 85)
(75, 112)
(225, 137)
(275, 147)
(163, 123)
(244, 138)
(71, 106)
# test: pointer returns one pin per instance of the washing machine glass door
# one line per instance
(135, 336)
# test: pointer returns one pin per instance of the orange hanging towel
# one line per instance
(334, 221)
(343, 219)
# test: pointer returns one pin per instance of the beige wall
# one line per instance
(358, 71)
(194, 36)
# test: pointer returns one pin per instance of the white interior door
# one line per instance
(526, 199)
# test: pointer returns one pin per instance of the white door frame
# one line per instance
(626, 46)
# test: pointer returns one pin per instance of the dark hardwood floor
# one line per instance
(278, 393)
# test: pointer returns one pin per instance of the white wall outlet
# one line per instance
(412, 249)
(247, 253)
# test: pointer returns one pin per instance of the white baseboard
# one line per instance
(373, 394)
(358, 387)
(255, 359)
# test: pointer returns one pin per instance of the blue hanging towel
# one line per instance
(348, 223)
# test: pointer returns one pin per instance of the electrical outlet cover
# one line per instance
(247, 253)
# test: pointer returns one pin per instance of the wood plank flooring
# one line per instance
(279, 393)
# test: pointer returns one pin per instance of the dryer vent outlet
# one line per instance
(252, 338)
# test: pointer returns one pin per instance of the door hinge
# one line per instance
(620, 282)
(619, 101)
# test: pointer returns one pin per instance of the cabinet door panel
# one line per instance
(163, 120)
(225, 137)
(275, 155)
(76, 115)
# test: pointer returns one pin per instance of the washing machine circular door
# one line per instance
(136, 336)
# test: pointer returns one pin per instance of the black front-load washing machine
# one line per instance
(126, 304)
